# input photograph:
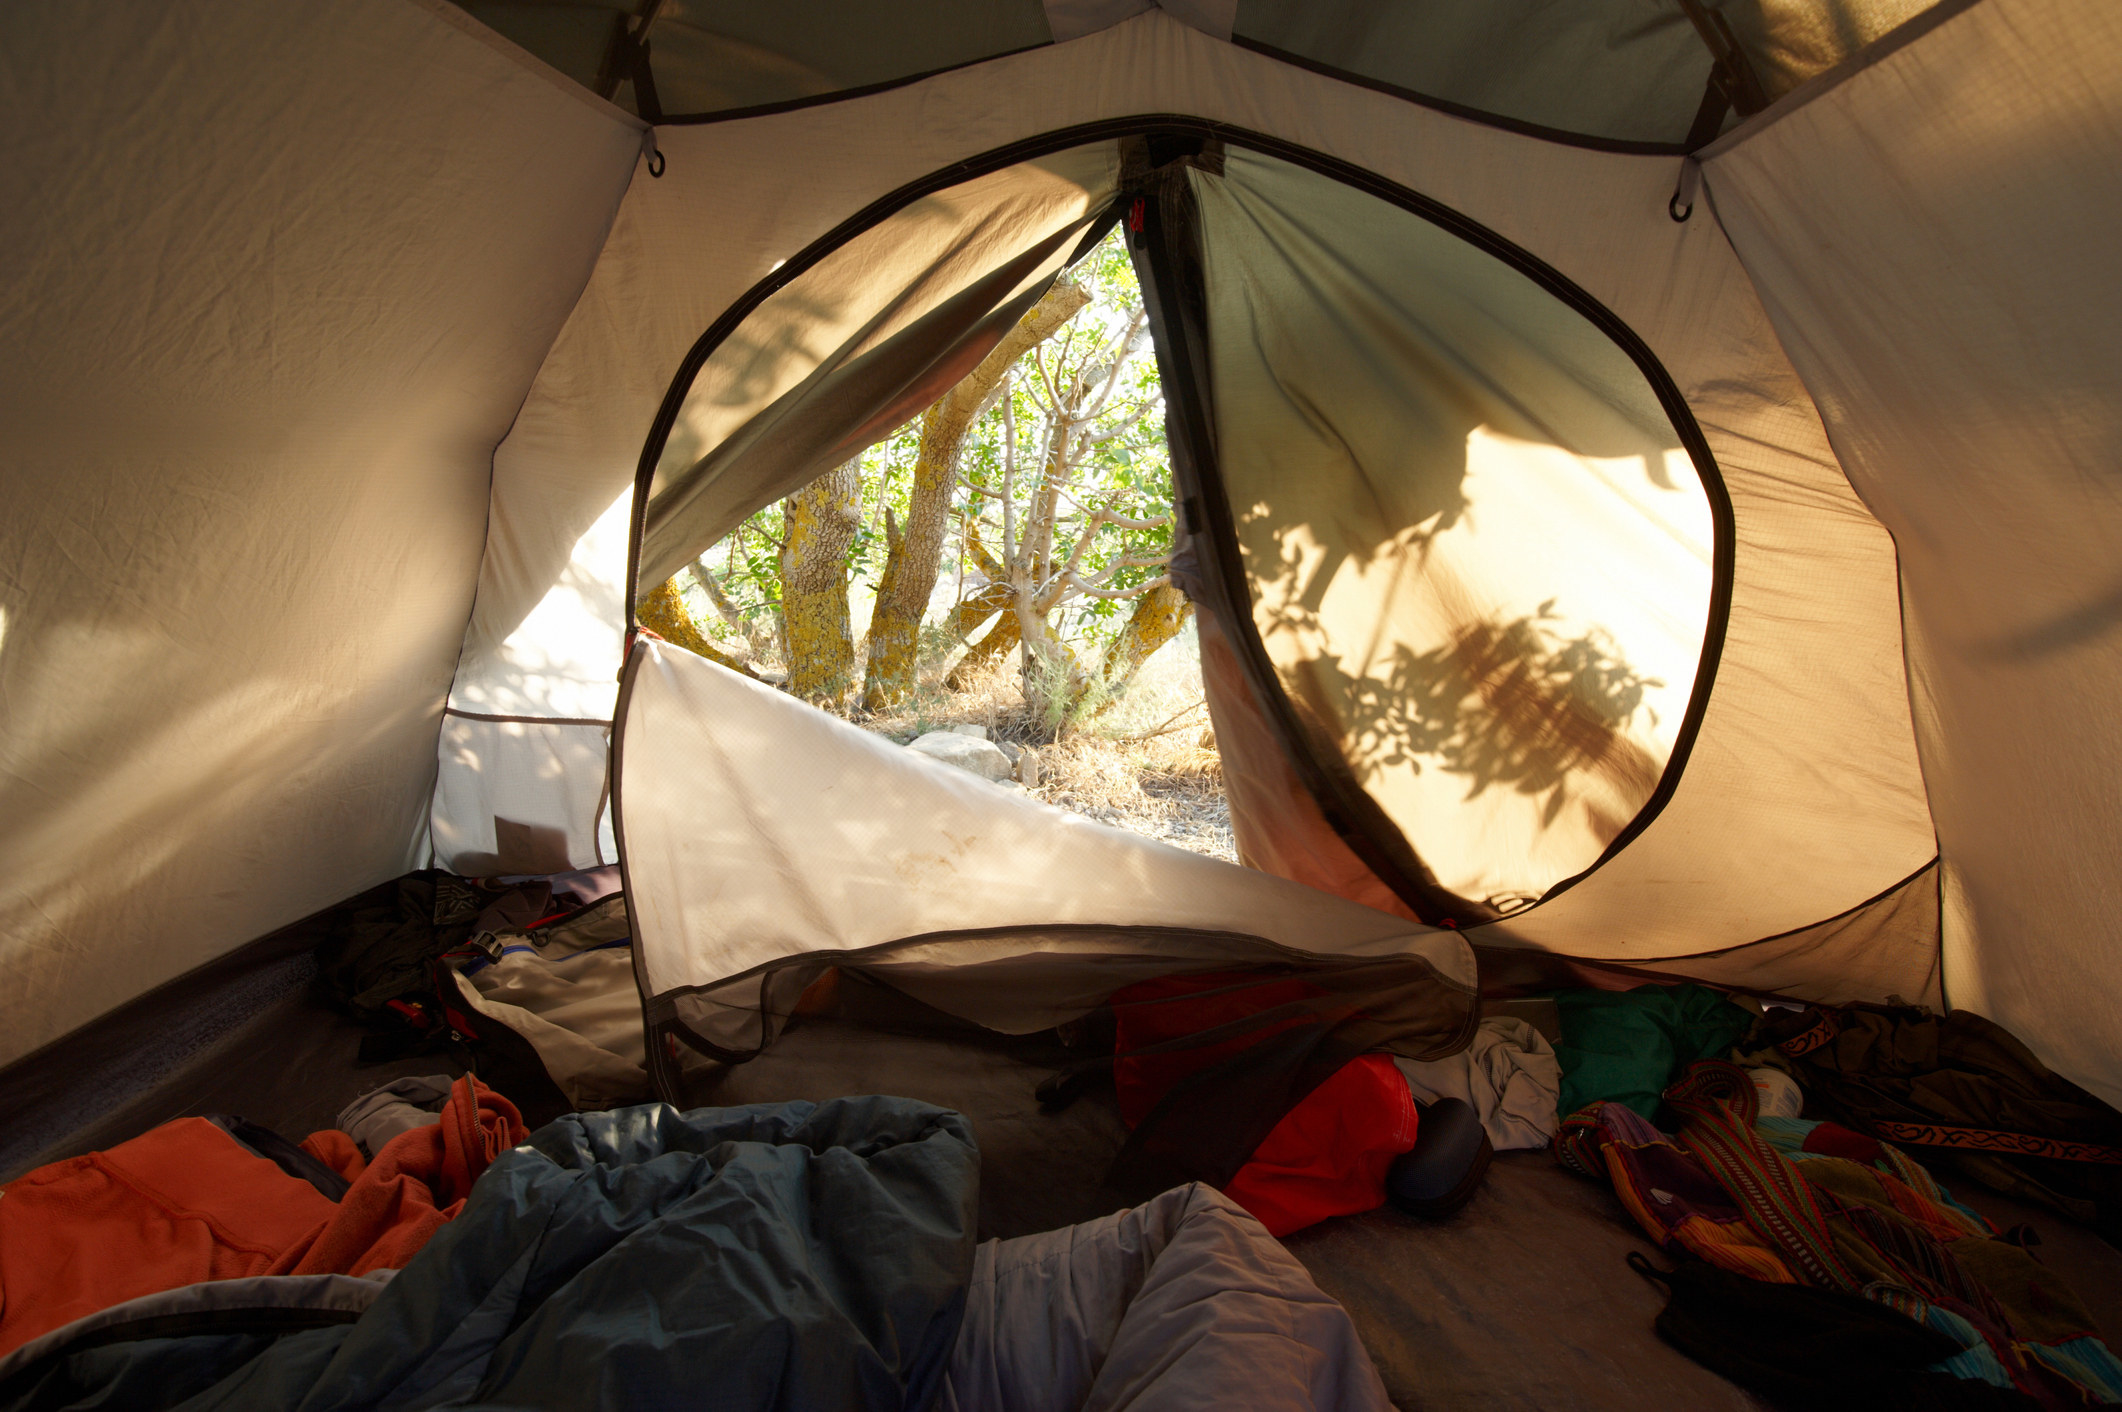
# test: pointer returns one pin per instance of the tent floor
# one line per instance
(1523, 1299)
(245, 1036)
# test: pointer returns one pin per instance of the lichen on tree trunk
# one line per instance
(663, 612)
(999, 641)
(819, 524)
(1160, 615)
(915, 553)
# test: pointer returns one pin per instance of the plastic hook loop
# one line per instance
(1682, 204)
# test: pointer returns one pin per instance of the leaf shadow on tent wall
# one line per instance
(1471, 556)
(1504, 705)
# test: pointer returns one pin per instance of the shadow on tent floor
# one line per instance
(290, 1069)
(1522, 1300)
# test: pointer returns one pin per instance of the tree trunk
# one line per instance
(978, 608)
(915, 556)
(1159, 616)
(1049, 674)
(663, 612)
(819, 523)
(724, 609)
(1000, 641)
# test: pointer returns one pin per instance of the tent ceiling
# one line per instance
(1810, 684)
(1618, 71)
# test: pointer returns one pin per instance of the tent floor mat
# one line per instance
(247, 1036)
(1522, 1299)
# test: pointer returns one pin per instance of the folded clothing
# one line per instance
(413, 1186)
(379, 1115)
(1509, 1076)
(187, 1201)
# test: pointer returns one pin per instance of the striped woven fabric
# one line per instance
(2008, 1144)
(1907, 1184)
(1677, 1204)
(1745, 1195)
(1720, 1103)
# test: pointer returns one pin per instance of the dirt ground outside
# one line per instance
(1148, 763)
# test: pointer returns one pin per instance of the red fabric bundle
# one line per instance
(1328, 1154)
(418, 1181)
(186, 1202)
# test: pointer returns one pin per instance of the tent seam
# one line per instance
(1827, 80)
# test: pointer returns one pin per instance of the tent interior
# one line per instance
(1645, 480)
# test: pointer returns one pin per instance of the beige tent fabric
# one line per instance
(1802, 798)
(1478, 556)
(754, 424)
(1624, 71)
(522, 796)
(1887, 947)
(558, 668)
(1884, 947)
(758, 829)
(1279, 827)
(1936, 240)
(278, 277)
(1790, 41)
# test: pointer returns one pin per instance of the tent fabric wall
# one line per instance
(759, 831)
(862, 342)
(1935, 241)
(278, 278)
(1802, 797)
(1614, 71)
(1479, 558)
(1884, 946)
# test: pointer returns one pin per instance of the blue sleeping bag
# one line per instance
(790, 1255)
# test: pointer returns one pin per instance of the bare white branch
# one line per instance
(1112, 593)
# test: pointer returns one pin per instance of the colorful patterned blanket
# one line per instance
(1793, 1202)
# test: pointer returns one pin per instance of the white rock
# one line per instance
(981, 757)
(976, 732)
